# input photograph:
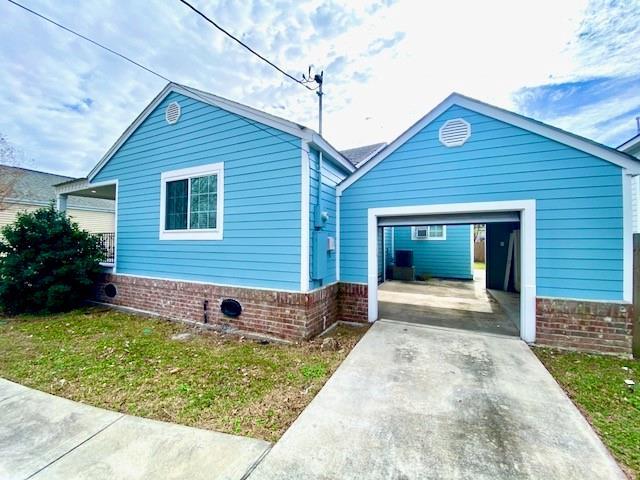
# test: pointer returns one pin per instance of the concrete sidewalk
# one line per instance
(416, 402)
(47, 437)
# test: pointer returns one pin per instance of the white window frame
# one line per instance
(414, 233)
(188, 174)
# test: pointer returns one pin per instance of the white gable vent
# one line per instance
(455, 132)
(172, 113)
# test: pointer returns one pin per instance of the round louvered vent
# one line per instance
(172, 114)
(455, 132)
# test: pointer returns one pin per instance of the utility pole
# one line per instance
(319, 78)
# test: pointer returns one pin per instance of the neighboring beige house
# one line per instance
(32, 189)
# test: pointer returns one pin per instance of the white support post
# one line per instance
(61, 202)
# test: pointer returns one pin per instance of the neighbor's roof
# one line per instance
(631, 145)
(38, 188)
(358, 155)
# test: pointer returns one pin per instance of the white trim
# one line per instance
(186, 174)
(245, 111)
(334, 154)
(617, 158)
(305, 199)
(428, 238)
(527, 209)
(371, 155)
(630, 144)
(337, 238)
(627, 238)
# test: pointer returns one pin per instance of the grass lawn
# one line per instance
(131, 364)
(479, 265)
(596, 385)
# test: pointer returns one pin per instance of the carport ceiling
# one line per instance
(448, 219)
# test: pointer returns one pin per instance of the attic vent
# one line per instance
(172, 114)
(455, 132)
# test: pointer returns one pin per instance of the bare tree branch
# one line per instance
(9, 175)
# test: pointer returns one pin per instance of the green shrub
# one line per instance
(47, 264)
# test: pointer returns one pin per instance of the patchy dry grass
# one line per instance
(596, 384)
(131, 364)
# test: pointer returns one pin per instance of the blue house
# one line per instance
(217, 201)
(441, 251)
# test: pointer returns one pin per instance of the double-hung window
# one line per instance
(429, 232)
(192, 202)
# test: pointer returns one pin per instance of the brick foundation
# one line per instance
(290, 316)
(587, 326)
(580, 325)
(353, 302)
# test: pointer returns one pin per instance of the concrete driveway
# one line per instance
(47, 437)
(418, 402)
(462, 304)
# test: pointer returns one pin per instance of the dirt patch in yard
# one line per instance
(161, 370)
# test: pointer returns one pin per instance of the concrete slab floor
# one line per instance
(47, 437)
(416, 402)
(461, 304)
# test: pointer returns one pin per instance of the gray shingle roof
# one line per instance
(358, 154)
(37, 187)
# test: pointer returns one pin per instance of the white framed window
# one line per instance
(192, 203)
(429, 232)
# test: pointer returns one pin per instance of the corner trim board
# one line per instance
(305, 198)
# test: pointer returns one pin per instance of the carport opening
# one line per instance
(447, 271)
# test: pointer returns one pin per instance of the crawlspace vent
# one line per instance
(455, 132)
(172, 113)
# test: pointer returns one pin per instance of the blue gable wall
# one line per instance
(579, 200)
(261, 245)
(450, 258)
(331, 176)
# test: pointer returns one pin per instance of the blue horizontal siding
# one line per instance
(261, 244)
(450, 258)
(331, 176)
(579, 199)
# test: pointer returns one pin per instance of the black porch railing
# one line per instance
(107, 242)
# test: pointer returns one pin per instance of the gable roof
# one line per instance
(248, 113)
(580, 143)
(33, 187)
(631, 145)
(360, 155)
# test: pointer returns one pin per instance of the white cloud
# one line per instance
(387, 63)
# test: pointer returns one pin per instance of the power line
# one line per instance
(124, 57)
(241, 43)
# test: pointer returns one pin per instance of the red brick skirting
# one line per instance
(587, 326)
(287, 315)
(353, 301)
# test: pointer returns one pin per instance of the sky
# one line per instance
(64, 102)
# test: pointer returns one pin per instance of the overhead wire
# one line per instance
(147, 69)
(244, 45)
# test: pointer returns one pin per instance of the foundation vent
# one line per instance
(455, 132)
(172, 113)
